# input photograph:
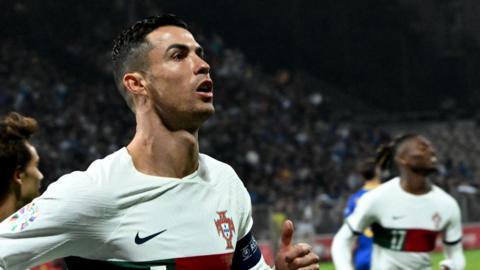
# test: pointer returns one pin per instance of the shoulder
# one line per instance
(218, 169)
(441, 196)
(222, 176)
(86, 187)
(213, 163)
(382, 191)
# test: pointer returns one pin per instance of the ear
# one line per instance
(135, 83)
(17, 176)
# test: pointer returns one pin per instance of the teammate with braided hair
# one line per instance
(406, 214)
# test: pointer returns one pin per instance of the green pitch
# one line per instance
(472, 257)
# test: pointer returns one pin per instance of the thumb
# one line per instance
(287, 233)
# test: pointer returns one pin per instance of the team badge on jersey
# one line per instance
(23, 218)
(225, 228)
(436, 218)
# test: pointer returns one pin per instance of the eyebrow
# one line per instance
(198, 49)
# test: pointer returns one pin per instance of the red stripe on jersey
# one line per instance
(210, 262)
(419, 240)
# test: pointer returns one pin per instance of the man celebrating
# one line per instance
(406, 214)
(158, 203)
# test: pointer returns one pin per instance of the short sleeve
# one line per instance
(363, 215)
(65, 220)
(247, 255)
(245, 205)
(453, 231)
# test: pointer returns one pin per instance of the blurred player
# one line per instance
(406, 214)
(158, 203)
(20, 177)
(370, 173)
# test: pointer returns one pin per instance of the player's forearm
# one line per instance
(342, 249)
(455, 260)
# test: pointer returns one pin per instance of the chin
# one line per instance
(425, 171)
(206, 111)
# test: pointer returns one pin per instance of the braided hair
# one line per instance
(385, 158)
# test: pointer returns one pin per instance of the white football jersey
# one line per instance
(405, 226)
(115, 217)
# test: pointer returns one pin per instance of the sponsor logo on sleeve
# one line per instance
(23, 218)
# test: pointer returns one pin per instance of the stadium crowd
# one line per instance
(281, 132)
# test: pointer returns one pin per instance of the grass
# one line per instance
(472, 258)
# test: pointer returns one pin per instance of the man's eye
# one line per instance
(178, 55)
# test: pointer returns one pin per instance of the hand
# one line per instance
(446, 265)
(299, 256)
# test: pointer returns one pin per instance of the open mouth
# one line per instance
(205, 87)
(205, 90)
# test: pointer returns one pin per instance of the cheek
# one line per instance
(177, 76)
(34, 175)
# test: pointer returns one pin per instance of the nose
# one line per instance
(201, 67)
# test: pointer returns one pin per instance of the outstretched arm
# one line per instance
(57, 224)
(342, 248)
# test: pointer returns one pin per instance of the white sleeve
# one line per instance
(363, 215)
(245, 211)
(63, 221)
(453, 232)
(361, 218)
(247, 254)
(455, 260)
(452, 240)
(342, 248)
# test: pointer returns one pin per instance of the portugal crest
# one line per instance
(225, 228)
(436, 218)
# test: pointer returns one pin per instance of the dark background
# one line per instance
(397, 56)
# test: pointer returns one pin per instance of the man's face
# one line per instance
(178, 79)
(419, 155)
(31, 177)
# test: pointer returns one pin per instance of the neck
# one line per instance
(8, 206)
(156, 150)
(414, 183)
(375, 182)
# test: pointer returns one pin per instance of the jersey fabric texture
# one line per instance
(363, 250)
(115, 217)
(405, 226)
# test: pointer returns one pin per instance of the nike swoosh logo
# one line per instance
(140, 240)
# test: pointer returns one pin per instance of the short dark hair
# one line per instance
(15, 131)
(130, 48)
(368, 169)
